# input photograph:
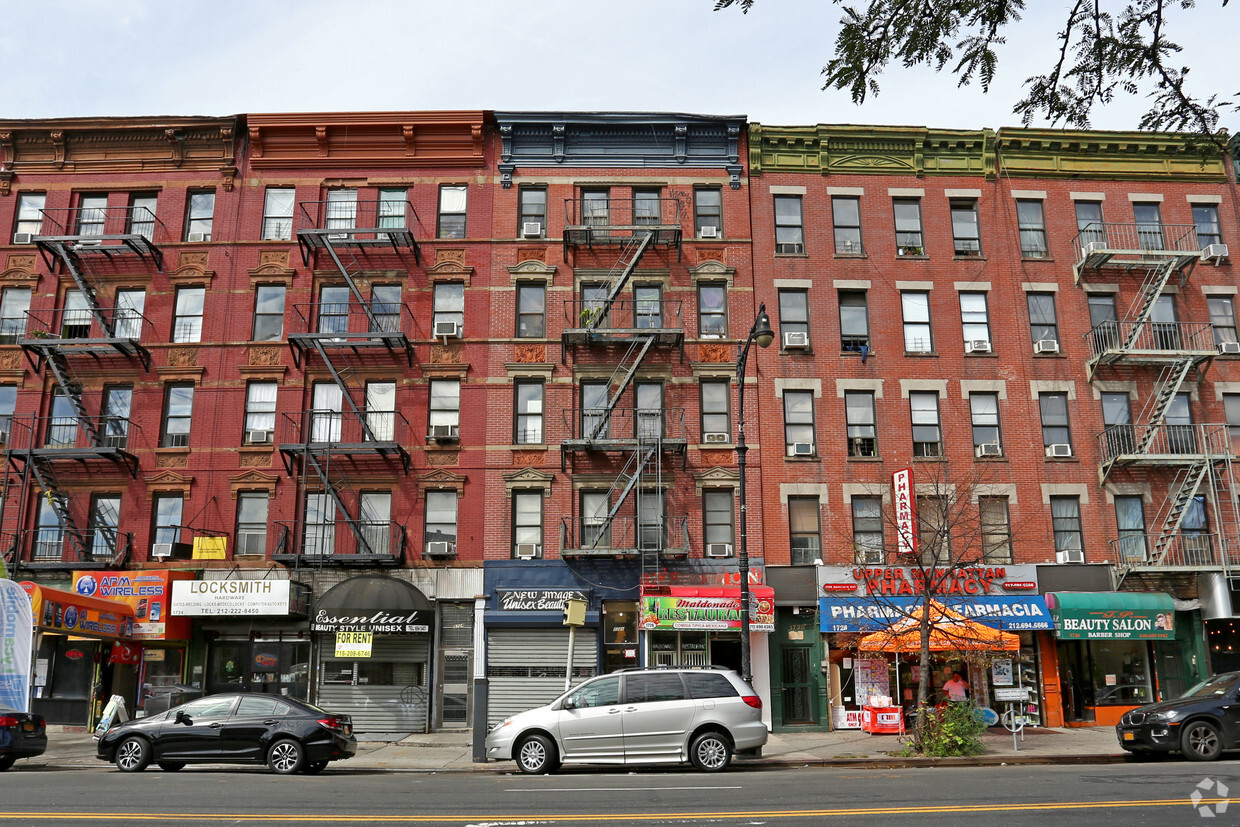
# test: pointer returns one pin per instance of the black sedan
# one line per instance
(22, 735)
(288, 736)
(1201, 724)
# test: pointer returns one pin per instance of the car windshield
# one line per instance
(1211, 687)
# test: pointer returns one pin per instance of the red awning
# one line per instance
(714, 591)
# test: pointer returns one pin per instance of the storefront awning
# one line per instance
(1112, 615)
(949, 632)
(373, 603)
(705, 608)
(76, 614)
(1011, 613)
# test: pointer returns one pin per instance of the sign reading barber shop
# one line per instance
(538, 600)
(368, 620)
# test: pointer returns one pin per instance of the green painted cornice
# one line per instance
(1018, 153)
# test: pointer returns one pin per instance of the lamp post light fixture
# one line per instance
(762, 334)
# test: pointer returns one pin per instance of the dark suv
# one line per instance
(1201, 724)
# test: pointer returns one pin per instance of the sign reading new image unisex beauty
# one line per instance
(230, 598)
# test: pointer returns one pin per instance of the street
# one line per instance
(1132, 794)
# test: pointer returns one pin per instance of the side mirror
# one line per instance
(182, 718)
(568, 704)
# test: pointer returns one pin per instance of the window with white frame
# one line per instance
(269, 312)
(1223, 319)
(130, 306)
(390, 209)
(1130, 528)
(712, 310)
(167, 519)
(1066, 524)
(187, 323)
(595, 530)
(444, 418)
(178, 411)
(994, 520)
(867, 530)
(251, 532)
(861, 424)
(804, 530)
(92, 215)
(708, 212)
(908, 227)
(385, 307)
(966, 233)
(14, 305)
(528, 396)
(916, 307)
(927, 432)
(441, 518)
(141, 218)
(975, 322)
(374, 513)
(716, 410)
(789, 229)
(260, 412)
(322, 514)
(448, 308)
(278, 213)
(326, 417)
(531, 310)
(984, 415)
(799, 423)
(595, 423)
(527, 523)
(532, 212)
(794, 318)
(717, 510)
(8, 404)
(1032, 225)
(1148, 216)
(846, 221)
(381, 411)
(199, 215)
(341, 210)
(452, 201)
(105, 512)
(29, 218)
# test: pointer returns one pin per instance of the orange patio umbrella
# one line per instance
(950, 631)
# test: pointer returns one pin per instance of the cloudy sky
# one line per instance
(217, 57)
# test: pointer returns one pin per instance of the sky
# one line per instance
(71, 58)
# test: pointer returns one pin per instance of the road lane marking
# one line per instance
(609, 789)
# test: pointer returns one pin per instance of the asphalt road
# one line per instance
(1128, 794)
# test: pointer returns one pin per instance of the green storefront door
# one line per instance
(798, 689)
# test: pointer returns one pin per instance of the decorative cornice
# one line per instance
(440, 480)
(527, 478)
(252, 480)
(168, 482)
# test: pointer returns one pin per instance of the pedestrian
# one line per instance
(957, 688)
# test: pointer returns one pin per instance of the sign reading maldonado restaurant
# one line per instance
(368, 620)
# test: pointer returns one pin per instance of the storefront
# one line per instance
(701, 625)
(74, 638)
(372, 647)
(1105, 651)
(861, 601)
(798, 656)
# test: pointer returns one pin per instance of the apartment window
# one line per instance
(449, 305)
(127, 322)
(75, 322)
(1181, 436)
(861, 423)
(867, 528)
(320, 533)
(529, 408)
(1032, 224)
(325, 416)
(444, 417)
(390, 210)
(142, 214)
(1117, 430)
(1066, 522)
(1043, 325)
(794, 317)
(1209, 231)
(648, 306)
(92, 215)
(14, 305)
(531, 311)
(716, 414)
(269, 313)
(527, 522)
(1149, 226)
(260, 412)
(1130, 527)
(385, 308)
(8, 404)
(1103, 322)
(595, 531)
(648, 397)
(846, 222)
(932, 530)
(799, 423)
(1054, 411)
(200, 215)
(374, 512)
(167, 512)
(646, 207)
(708, 212)
(334, 309)
(117, 407)
(532, 212)
(178, 407)
(1089, 223)
(789, 231)
(251, 534)
(994, 520)
(966, 234)
(652, 521)
(278, 213)
(441, 517)
(927, 434)
(50, 534)
(381, 411)
(105, 511)
(854, 321)
(594, 421)
(916, 307)
(805, 530)
(712, 311)
(29, 214)
(1231, 410)
(596, 208)
(62, 426)
(975, 322)
(452, 200)
(187, 323)
(593, 302)
(908, 227)
(341, 210)
(984, 414)
(717, 510)
(1223, 318)
(1165, 324)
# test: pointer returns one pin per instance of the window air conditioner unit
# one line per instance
(531, 229)
(1072, 555)
(789, 249)
(708, 231)
(444, 431)
(166, 551)
(718, 549)
(24, 238)
(717, 436)
(988, 449)
(1229, 347)
(796, 339)
(1046, 346)
(196, 238)
(440, 548)
(258, 437)
(528, 551)
(161, 550)
(1218, 252)
(1095, 247)
(447, 329)
(802, 449)
(977, 346)
(1059, 449)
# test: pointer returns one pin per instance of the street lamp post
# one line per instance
(762, 334)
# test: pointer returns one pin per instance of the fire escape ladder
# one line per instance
(73, 263)
(71, 386)
(332, 489)
(350, 273)
(341, 375)
(1155, 414)
(1187, 484)
(620, 380)
(1143, 306)
(45, 475)
(630, 256)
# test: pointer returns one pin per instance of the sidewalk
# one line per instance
(452, 751)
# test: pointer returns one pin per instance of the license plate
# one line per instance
(28, 726)
(1130, 736)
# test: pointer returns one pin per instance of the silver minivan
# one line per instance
(637, 716)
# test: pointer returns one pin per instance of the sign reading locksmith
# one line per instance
(229, 598)
(366, 620)
(538, 600)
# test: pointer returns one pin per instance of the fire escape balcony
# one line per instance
(1167, 445)
(326, 434)
(114, 233)
(587, 322)
(624, 537)
(352, 328)
(53, 548)
(612, 223)
(355, 224)
(623, 429)
(1102, 246)
(1185, 551)
(1149, 343)
(79, 331)
(340, 543)
(68, 441)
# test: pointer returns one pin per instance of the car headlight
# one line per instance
(501, 725)
(1166, 715)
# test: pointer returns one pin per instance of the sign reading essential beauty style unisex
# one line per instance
(537, 600)
(229, 598)
(368, 621)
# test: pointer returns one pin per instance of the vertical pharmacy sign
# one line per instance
(16, 630)
(906, 517)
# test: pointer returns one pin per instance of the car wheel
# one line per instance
(1200, 741)
(314, 767)
(7, 761)
(285, 757)
(536, 755)
(171, 766)
(711, 752)
(133, 755)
